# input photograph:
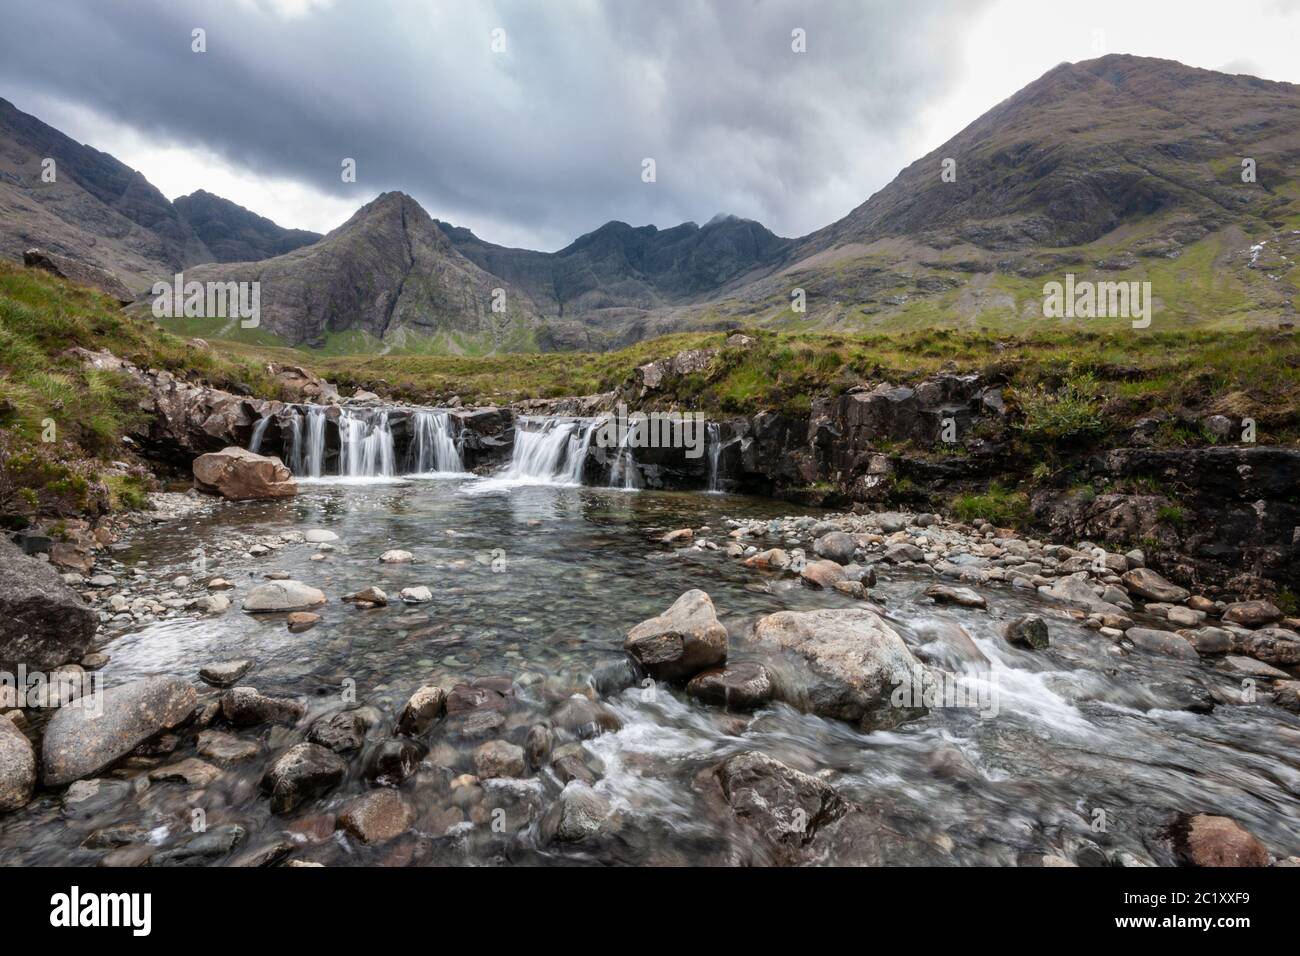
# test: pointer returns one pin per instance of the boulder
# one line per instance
(740, 685)
(964, 597)
(682, 641)
(836, 546)
(303, 771)
(278, 596)
(224, 673)
(242, 475)
(416, 595)
(783, 806)
(497, 758)
(43, 622)
(247, 707)
(1028, 630)
(902, 552)
(578, 814)
(1251, 613)
(17, 767)
(1205, 840)
(1161, 642)
(377, 816)
(89, 734)
(423, 709)
(843, 664)
(822, 574)
(1149, 585)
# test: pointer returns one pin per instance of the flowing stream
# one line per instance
(542, 583)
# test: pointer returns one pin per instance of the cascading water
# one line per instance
(714, 442)
(311, 460)
(623, 473)
(432, 447)
(366, 448)
(255, 443)
(549, 451)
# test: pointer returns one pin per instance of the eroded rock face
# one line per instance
(843, 664)
(79, 741)
(82, 273)
(43, 622)
(784, 807)
(682, 641)
(241, 475)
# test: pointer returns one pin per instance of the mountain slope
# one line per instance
(97, 209)
(235, 234)
(388, 274)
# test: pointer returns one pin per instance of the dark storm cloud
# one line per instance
(544, 140)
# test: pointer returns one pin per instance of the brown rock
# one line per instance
(1251, 613)
(1219, 841)
(377, 816)
(682, 641)
(241, 475)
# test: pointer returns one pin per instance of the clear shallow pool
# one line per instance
(542, 583)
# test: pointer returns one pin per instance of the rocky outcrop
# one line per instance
(43, 622)
(241, 475)
(84, 737)
(82, 273)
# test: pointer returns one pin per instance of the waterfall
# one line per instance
(365, 447)
(549, 451)
(714, 443)
(255, 443)
(623, 473)
(313, 461)
(432, 448)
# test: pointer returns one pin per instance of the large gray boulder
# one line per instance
(90, 733)
(43, 622)
(844, 664)
(17, 767)
(680, 642)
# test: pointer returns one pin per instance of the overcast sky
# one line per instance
(544, 141)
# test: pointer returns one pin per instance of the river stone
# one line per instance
(1274, 645)
(822, 574)
(584, 717)
(1028, 630)
(224, 673)
(782, 805)
(845, 664)
(202, 848)
(1205, 840)
(43, 621)
(190, 770)
(319, 536)
(396, 556)
(242, 475)
(682, 641)
(377, 816)
(267, 854)
(497, 758)
(1286, 694)
(17, 767)
(423, 709)
(902, 551)
(393, 760)
(538, 745)
(1251, 613)
(368, 597)
(79, 741)
(299, 621)
(965, 597)
(416, 595)
(300, 773)
(225, 747)
(774, 559)
(741, 685)
(342, 732)
(1210, 640)
(1249, 667)
(1162, 642)
(1149, 585)
(579, 813)
(276, 596)
(246, 707)
(836, 546)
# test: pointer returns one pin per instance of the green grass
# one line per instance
(998, 506)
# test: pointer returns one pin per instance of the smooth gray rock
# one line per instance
(43, 621)
(79, 742)
(17, 767)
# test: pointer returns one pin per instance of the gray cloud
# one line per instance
(544, 141)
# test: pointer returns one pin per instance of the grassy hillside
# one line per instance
(61, 425)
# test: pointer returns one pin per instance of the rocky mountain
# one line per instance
(96, 208)
(235, 234)
(389, 274)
